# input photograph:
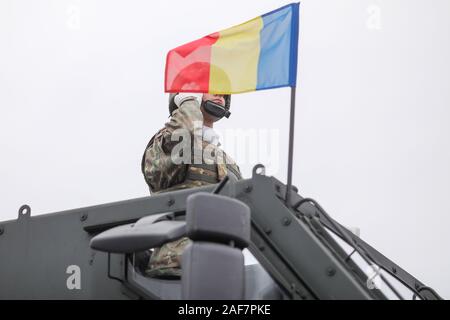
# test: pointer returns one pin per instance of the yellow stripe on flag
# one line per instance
(234, 58)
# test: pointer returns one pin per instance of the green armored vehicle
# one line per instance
(248, 243)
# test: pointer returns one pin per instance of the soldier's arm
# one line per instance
(157, 165)
(188, 116)
(185, 121)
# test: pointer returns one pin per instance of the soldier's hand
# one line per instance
(184, 96)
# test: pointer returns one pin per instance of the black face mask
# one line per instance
(215, 109)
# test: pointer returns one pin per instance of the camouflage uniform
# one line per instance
(162, 175)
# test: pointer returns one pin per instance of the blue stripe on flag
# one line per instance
(294, 45)
(277, 63)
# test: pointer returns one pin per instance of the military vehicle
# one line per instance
(248, 243)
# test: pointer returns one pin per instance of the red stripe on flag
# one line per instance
(188, 66)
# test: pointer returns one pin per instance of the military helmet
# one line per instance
(173, 106)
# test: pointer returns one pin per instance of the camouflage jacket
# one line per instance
(170, 162)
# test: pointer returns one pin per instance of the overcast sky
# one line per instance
(81, 93)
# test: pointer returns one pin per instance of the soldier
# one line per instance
(197, 160)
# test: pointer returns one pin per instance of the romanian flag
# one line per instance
(258, 54)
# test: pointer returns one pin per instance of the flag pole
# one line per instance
(292, 81)
(291, 147)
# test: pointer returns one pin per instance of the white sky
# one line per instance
(81, 93)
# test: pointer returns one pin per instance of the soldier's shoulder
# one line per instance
(227, 158)
(158, 135)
